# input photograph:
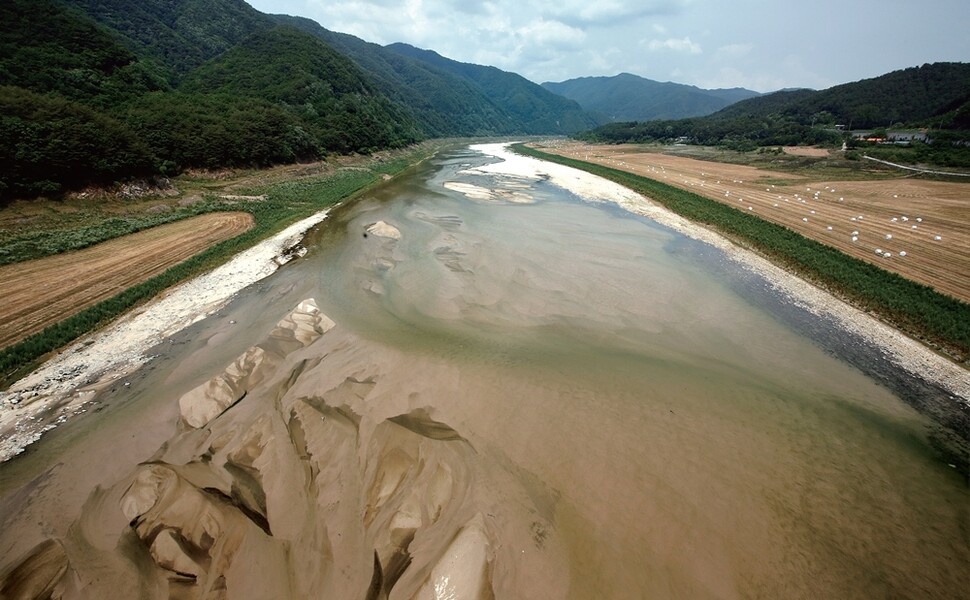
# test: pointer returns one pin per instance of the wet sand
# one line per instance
(492, 398)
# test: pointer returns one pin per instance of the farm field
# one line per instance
(40, 292)
(914, 227)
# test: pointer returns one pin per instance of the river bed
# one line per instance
(524, 392)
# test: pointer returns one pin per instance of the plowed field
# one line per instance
(40, 292)
(917, 228)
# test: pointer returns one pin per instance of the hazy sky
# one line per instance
(763, 45)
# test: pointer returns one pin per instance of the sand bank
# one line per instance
(903, 351)
(61, 386)
(290, 477)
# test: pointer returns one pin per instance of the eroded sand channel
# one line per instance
(521, 394)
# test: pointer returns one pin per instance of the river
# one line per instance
(573, 400)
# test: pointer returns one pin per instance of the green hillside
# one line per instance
(179, 34)
(934, 95)
(627, 97)
(534, 109)
(442, 103)
(214, 83)
(341, 108)
(47, 49)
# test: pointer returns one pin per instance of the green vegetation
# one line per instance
(84, 109)
(177, 35)
(50, 50)
(285, 203)
(443, 104)
(933, 96)
(180, 84)
(530, 108)
(48, 144)
(324, 89)
(209, 131)
(939, 154)
(914, 308)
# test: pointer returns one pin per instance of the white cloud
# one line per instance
(686, 40)
(551, 33)
(675, 45)
(730, 51)
(609, 12)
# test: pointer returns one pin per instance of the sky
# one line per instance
(763, 45)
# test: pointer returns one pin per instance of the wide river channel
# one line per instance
(676, 428)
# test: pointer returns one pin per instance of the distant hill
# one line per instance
(935, 95)
(627, 97)
(905, 96)
(538, 110)
(443, 103)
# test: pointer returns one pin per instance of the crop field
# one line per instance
(917, 228)
(40, 292)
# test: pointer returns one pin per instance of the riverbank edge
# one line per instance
(50, 388)
(902, 350)
(762, 238)
(950, 412)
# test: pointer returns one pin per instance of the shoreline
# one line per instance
(62, 386)
(904, 352)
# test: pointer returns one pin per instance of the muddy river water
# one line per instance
(525, 393)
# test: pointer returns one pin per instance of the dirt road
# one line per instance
(917, 228)
(40, 292)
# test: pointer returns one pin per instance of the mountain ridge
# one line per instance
(936, 95)
(629, 97)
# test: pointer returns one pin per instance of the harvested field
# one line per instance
(40, 292)
(920, 228)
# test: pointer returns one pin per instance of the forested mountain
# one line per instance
(47, 49)
(933, 95)
(324, 88)
(627, 97)
(95, 91)
(443, 104)
(905, 96)
(179, 34)
(537, 109)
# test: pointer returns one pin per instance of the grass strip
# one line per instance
(286, 203)
(918, 310)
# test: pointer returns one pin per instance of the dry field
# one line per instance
(917, 228)
(44, 291)
(805, 151)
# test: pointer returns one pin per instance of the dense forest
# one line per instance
(449, 101)
(535, 108)
(933, 96)
(97, 91)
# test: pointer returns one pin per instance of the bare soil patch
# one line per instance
(40, 292)
(921, 229)
(805, 151)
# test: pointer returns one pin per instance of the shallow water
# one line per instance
(691, 435)
(666, 416)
